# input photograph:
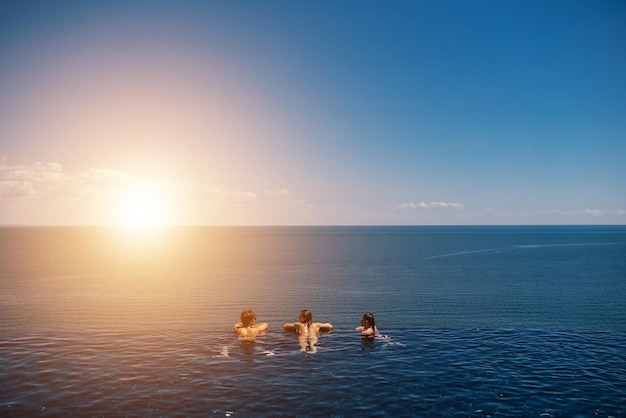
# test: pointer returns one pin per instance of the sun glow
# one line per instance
(141, 209)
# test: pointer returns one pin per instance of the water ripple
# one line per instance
(412, 372)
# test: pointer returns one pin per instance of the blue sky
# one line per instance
(313, 113)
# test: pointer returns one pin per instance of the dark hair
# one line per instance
(306, 317)
(368, 321)
(247, 317)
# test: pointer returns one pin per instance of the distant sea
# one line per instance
(475, 321)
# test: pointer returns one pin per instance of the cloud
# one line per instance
(429, 205)
(281, 193)
(12, 188)
(593, 212)
(40, 188)
(38, 179)
(50, 180)
(48, 193)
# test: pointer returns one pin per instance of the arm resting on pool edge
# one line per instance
(253, 330)
(299, 327)
(324, 327)
(293, 327)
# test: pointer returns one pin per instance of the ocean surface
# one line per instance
(514, 321)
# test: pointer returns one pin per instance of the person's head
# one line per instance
(306, 317)
(248, 317)
(368, 321)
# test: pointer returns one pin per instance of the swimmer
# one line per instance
(368, 326)
(307, 330)
(305, 324)
(246, 328)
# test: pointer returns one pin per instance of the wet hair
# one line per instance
(306, 317)
(247, 317)
(368, 321)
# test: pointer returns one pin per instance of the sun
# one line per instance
(141, 209)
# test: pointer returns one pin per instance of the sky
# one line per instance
(442, 112)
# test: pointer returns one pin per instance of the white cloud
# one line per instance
(594, 212)
(30, 190)
(277, 193)
(39, 179)
(46, 193)
(14, 188)
(429, 205)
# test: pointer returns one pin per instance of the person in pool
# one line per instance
(247, 328)
(368, 326)
(306, 325)
(307, 330)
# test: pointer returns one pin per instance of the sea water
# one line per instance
(476, 321)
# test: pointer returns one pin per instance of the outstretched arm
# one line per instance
(290, 327)
(324, 327)
(293, 326)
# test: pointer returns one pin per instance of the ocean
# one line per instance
(475, 320)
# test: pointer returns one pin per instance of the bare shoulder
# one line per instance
(253, 330)
(263, 326)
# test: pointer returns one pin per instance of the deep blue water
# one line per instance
(479, 321)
